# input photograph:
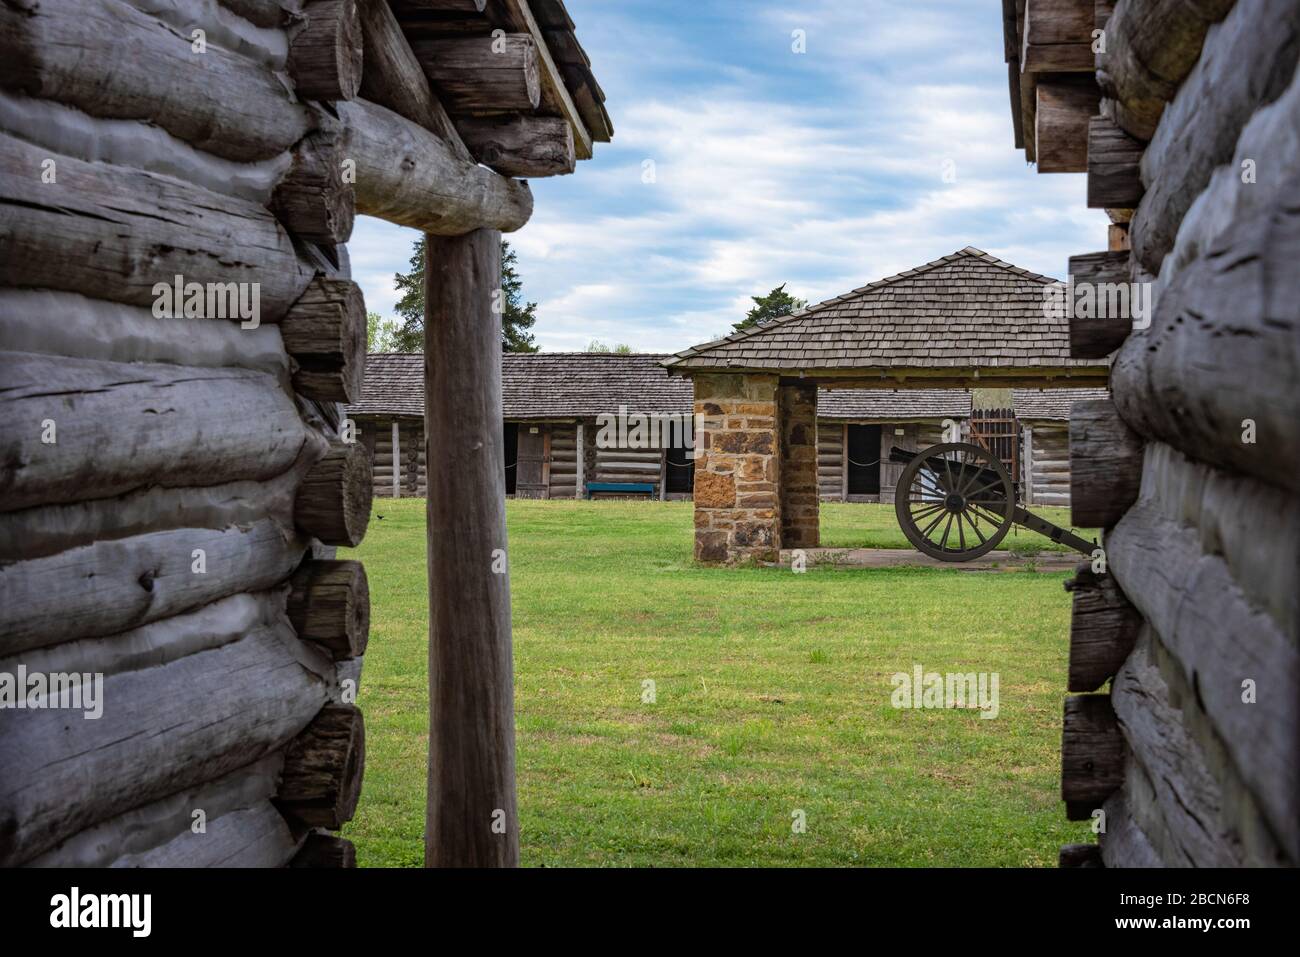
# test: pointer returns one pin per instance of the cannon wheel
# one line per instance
(957, 512)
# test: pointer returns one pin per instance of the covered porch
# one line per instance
(964, 321)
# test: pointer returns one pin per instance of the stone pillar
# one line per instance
(737, 513)
(797, 469)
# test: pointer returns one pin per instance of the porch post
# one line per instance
(737, 512)
(471, 818)
(797, 474)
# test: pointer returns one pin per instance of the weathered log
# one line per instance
(1236, 308)
(394, 79)
(216, 100)
(81, 428)
(333, 502)
(1104, 626)
(1080, 855)
(325, 332)
(1124, 843)
(1117, 237)
(407, 175)
(312, 200)
(1105, 464)
(265, 13)
(325, 851)
(1253, 526)
(1151, 45)
(137, 144)
(520, 145)
(235, 829)
(329, 603)
(122, 234)
(1246, 63)
(1096, 337)
(491, 74)
(325, 56)
(1188, 798)
(472, 818)
(1092, 750)
(162, 730)
(517, 16)
(1274, 132)
(77, 327)
(1114, 160)
(1065, 104)
(50, 529)
(1057, 36)
(1221, 642)
(110, 586)
(323, 767)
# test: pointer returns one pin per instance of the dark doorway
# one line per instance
(864, 459)
(511, 446)
(530, 462)
(681, 472)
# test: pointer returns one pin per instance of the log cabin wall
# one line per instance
(1181, 741)
(1046, 465)
(833, 460)
(177, 475)
(178, 335)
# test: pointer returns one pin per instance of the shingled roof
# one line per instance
(969, 310)
(1050, 404)
(559, 385)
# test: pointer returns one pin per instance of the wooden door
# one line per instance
(530, 478)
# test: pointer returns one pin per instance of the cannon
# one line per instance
(956, 502)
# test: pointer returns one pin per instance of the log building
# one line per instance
(1181, 740)
(1044, 420)
(555, 405)
(179, 647)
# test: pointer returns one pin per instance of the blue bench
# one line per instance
(631, 487)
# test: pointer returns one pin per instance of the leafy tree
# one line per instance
(381, 333)
(517, 316)
(622, 349)
(774, 305)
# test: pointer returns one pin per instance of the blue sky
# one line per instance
(823, 170)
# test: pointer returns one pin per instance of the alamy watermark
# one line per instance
(214, 300)
(22, 690)
(649, 430)
(930, 689)
(1099, 300)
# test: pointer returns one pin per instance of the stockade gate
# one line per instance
(998, 431)
(176, 477)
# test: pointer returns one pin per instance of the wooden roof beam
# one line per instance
(1058, 36)
(394, 79)
(517, 16)
(484, 75)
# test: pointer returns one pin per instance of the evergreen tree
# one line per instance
(774, 305)
(517, 316)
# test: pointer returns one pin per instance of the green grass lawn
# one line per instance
(772, 696)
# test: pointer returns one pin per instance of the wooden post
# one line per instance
(844, 463)
(1105, 464)
(472, 819)
(577, 492)
(1092, 754)
(397, 459)
(1027, 488)
(1104, 627)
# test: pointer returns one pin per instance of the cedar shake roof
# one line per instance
(903, 405)
(969, 310)
(1052, 404)
(559, 385)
